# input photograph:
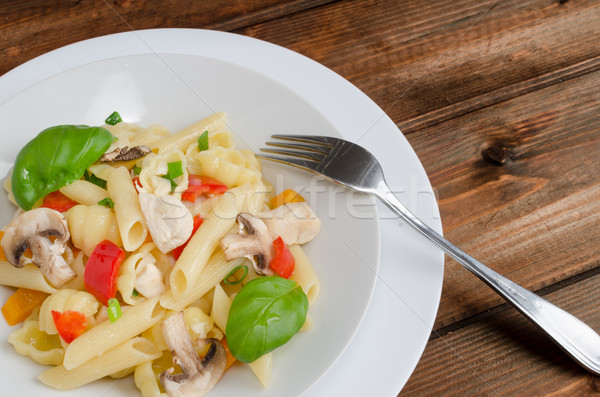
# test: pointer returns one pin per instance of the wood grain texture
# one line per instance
(502, 354)
(418, 57)
(29, 28)
(518, 80)
(533, 219)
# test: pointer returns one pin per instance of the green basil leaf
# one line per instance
(56, 157)
(264, 315)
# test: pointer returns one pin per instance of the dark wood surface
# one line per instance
(500, 100)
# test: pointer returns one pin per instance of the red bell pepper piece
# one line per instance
(202, 185)
(69, 324)
(177, 251)
(102, 269)
(283, 262)
(58, 201)
(136, 183)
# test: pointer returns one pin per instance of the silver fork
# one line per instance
(353, 166)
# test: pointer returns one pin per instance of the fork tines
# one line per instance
(304, 151)
(318, 139)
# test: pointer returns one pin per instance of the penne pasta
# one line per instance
(262, 368)
(304, 274)
(134, 321)
(145, 380)
(84, 192)
(220, 308)
(27, 276)
(215, 270)
(158, 248)
(189, 266)
(181, 140)
(132, 352)
(130, 219)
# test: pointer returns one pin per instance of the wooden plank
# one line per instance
(29, 28)
(499, 95)
(418, 57)
(535, 218)
(502, 354)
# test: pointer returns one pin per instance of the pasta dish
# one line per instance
(164, 256)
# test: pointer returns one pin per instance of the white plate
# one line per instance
(390, 341)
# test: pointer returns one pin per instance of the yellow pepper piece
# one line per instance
(286, 197)
(21, 304)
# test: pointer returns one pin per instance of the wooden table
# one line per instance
(501, 101)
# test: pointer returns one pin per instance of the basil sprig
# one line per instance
(264, 315)
(56, 157)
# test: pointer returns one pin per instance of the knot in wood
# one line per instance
(494, 154)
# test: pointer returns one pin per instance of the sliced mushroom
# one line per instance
(253, 241)
(198, 376)
(33, 229)
(296, 223)
(125, 154)
(169, 221)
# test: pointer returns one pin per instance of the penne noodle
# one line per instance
(84, 192)
(132, 352)
(262, 368)
(304, 274)
(130, 219)
(98, 340)
(163, 267)
(27, 276)
(220, 308)
(182, 139)
(215, 270)
(189, 266)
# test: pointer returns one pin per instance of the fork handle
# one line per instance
(576, 338)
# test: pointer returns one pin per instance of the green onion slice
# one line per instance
(137, 170)
(175, 169)
(203, 141)
(114, 118)
(107, 202)
(134, 293)
(232, 272)
(88, 176)
(114, 310)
